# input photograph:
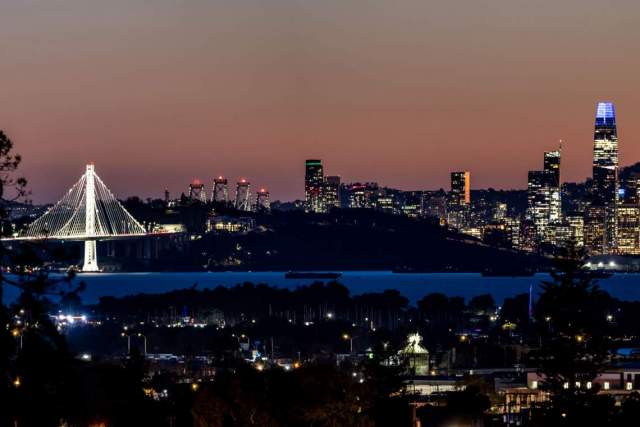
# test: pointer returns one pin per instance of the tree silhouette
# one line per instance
(35, 365)
(571, 315)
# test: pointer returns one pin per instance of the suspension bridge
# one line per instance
(87, 212)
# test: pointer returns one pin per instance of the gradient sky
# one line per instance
(401, 92)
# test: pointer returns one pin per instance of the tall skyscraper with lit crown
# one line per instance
(605, 173)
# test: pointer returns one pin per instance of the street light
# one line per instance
(345, 337)
(128, 341)
(144, 337)
(16, 333)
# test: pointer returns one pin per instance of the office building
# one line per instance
(385, 202)
(459, 200)
(628, 229)
(332, 196)
(460, 195)
(361, 196)
(539, 202)
(313, 186)
(576, 229)
(552, 167)
(544, 201)
(594, 229)
(499, 212)
(605, 171)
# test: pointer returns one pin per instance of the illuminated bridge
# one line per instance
(87, 212)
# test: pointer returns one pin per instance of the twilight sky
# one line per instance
(400, 92)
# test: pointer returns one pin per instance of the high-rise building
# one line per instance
(313, 186)
(243, 195)
(552, 167)
(628, 222)
(331, 192)
(544, 201)
(594, 229)
(459, 199)
(528, 238)
(262, 201)
(197, 192)
(499, 212)
(361, 196)
(632, 189)
(410, 203)
(220, 192)
(576, 229)
(512, 229)
(605, 170)
(385, 202)
(460, 194)
(539, 202)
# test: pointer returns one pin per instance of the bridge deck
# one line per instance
(89, 237)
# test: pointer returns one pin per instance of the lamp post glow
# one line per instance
(345, 337)
(123, 334)
(17, 334)
(144, 337)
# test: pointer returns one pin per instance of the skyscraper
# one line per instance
(460, 189)
(605, 171)
(332, 192)
(459, 199)
(544, 205)
(539, 201)
(552, 167)
(628, 229)
(313, 186)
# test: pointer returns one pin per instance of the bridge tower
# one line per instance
(262, 201)
(243, 195)
(197, 191)
(88, 211)
(90, 246)
(220, 192)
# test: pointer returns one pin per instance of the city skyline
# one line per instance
(409, 90)
(604, 110)
(331, 213)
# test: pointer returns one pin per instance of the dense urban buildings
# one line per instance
(601, 215)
